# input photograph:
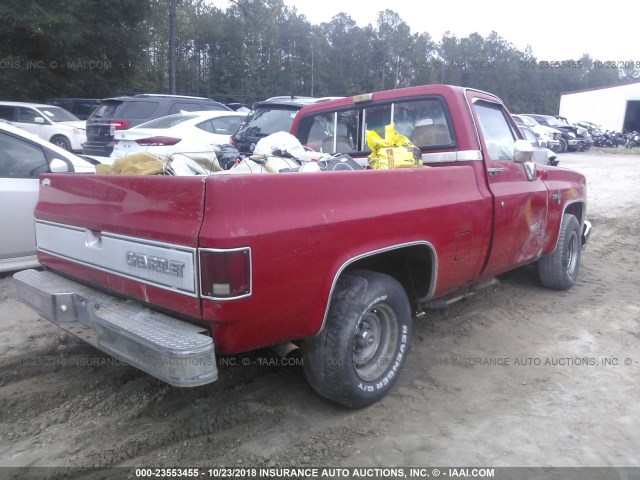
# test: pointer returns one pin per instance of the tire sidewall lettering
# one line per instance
(371, 304)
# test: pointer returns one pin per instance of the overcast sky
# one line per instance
(608, 31)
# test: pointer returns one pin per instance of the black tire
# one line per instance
(557, 148)
(564, 146)
(61, 141)
(559, 270)
(360, 352)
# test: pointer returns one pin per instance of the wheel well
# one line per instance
(412, 266)
(577, 210)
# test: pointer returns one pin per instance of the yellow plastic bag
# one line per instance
(393, 151)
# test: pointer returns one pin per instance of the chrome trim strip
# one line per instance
(456, 156)
(434, 272)
(78, 245)
(222, 299)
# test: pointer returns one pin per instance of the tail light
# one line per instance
(120, 124)
(158, 141)
(225, 274)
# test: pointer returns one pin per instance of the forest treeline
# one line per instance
(260, 48)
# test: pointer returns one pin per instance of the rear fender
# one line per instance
(418, 276)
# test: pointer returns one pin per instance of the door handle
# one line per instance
(495, 171)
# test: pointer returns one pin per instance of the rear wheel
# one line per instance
(358, 355)
(559, 270)
(61, 141)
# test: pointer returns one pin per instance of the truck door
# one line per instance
(520, 204)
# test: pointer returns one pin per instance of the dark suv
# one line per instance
(120, 113)
(272, 115)
(80, 107)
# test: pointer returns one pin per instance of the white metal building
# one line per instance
(614, 108)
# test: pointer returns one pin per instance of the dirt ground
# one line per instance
(516, 376)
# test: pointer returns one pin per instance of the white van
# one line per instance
(48, 122)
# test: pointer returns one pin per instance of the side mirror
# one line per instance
(39, 120)
(58, 166)
(522, 151)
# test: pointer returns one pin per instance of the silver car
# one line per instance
(23, 157)
(541, 155)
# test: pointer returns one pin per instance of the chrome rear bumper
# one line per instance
(177, 352)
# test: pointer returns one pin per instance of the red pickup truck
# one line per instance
(165, 272)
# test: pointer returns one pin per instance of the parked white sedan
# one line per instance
(189, 132)
(23, 157)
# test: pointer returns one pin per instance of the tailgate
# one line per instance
(132, 235)
(99, 131)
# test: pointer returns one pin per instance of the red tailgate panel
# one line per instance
(162, 209)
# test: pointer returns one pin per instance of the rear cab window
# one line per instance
(425, 121)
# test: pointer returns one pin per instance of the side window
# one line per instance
(226, 125)
(531, 138)
(213, 107)
(186, 107)
(27, 115)
(6, 112)
(20, 159)
(497, 132)
(206, 126)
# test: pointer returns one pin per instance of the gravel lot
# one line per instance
(516, 376)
